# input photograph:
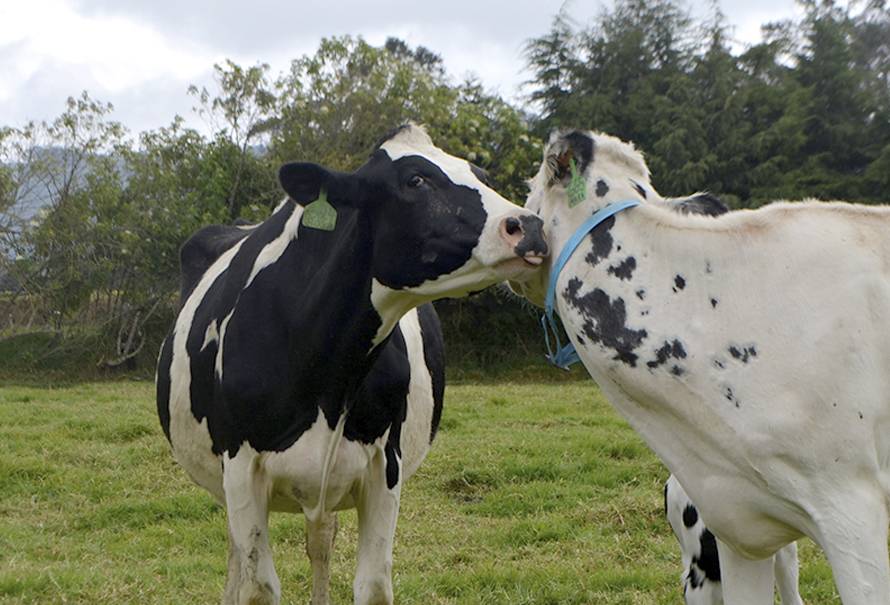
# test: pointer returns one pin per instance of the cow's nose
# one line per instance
(525, 235)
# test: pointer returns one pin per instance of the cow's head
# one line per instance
(438, 230)
(584, 171)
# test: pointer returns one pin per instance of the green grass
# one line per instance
(532, 494)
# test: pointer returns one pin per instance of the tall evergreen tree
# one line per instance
(803, 113)
(553, 59)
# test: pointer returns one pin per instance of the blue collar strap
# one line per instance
(557, 354)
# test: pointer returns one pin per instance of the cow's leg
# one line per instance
(378, 509)
(787, 580)
(247, 493)
(853, 534)
(745, 581)
(233, 574)
(319, 543)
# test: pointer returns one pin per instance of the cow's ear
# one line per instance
(568, 148)
(303, 182)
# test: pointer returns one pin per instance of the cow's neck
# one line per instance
(337, 327)
(390, 305)
(601, 191)
(346, 315)
(620, 281)
(640, 301)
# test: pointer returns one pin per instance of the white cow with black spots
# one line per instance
(749, 350)
(698, 547)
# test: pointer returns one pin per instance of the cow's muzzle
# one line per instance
(525, 235)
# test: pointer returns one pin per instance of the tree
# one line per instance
(51, 167)
(424, 57)
(554, 60)
(239, 115)
(335, 105)
(871, 53)
(804, 113)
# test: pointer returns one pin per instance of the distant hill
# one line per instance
(35, 195)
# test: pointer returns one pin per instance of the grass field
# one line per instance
(532, 494)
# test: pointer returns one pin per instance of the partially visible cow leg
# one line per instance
(378, 510)
(786, 568)
(233, 575)
(319, 543)
(247, 491)
(745, 581)
(853, 534)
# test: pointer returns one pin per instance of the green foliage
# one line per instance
(335, 105)
(61, 256)
(239, 115)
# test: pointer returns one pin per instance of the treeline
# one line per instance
(805, 113)
(91, 218)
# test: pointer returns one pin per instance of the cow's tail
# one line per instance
(314, 514)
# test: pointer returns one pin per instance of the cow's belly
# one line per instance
(740, 512)
(761, 483)
(296, 472)
(193, 447)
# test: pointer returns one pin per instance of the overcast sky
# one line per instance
(141, 55)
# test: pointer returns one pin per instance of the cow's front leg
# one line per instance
(247, 494)
(745, 581)
(377, 503)
(320, 536)
(852, 530)
(233, 574)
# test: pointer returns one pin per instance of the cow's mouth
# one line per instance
(522, 267)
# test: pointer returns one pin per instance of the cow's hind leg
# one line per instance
(787, 575)
(319, 543)
(378, 510)
(247, 492)
(853, 534)
(745, 581)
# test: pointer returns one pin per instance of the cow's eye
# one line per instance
(416, 181)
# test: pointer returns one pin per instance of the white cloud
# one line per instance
(120, 52)
(141, 55)
(50, 52)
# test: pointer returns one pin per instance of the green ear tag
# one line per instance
(320, 214)
(577, 188)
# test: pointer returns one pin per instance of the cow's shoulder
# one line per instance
(202, 249)
(700, 203)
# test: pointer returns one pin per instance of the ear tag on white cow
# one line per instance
(320, 214)
(577, 187)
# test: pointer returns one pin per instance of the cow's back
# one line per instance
(202, 249)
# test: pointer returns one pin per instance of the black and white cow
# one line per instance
(305, 371)
(748, 350)
(701, 564)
